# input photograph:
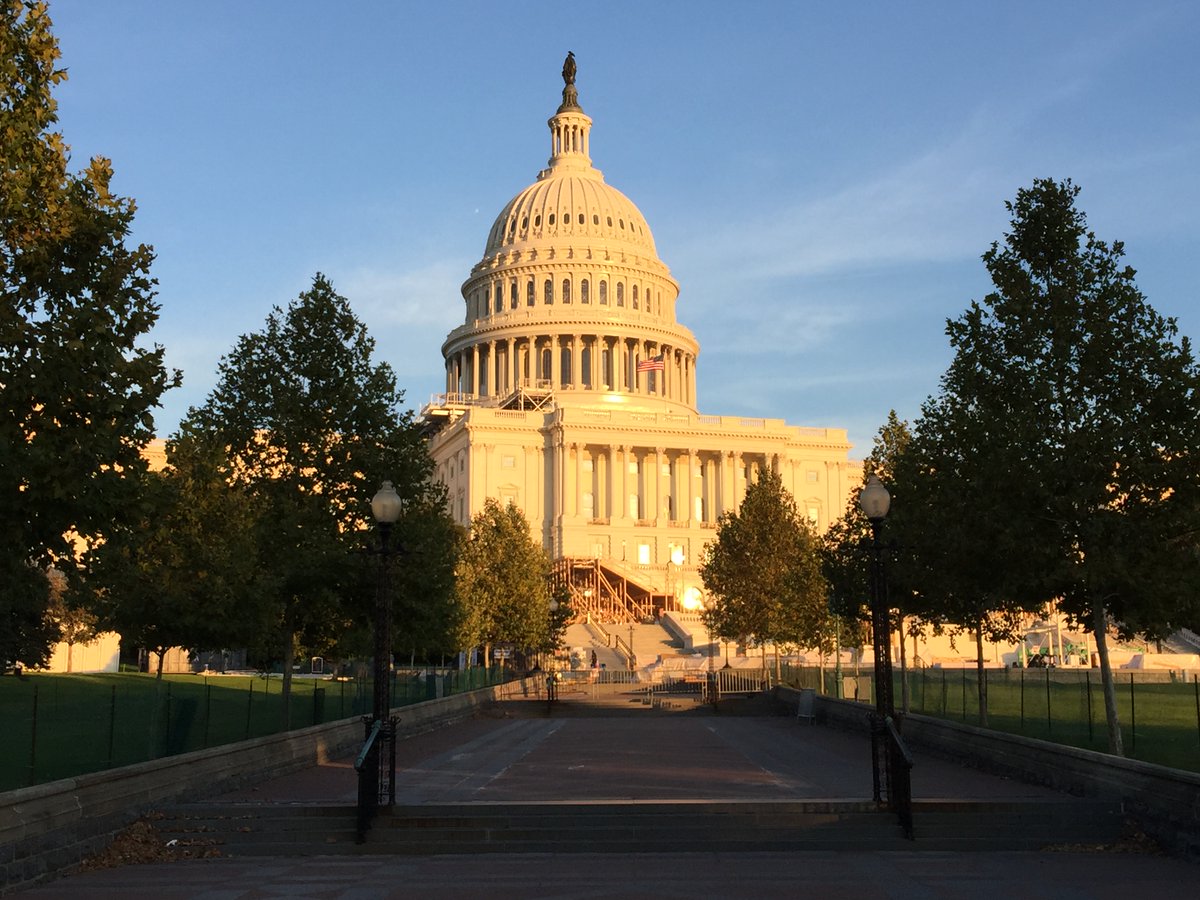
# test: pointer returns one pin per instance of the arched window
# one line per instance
(551, 219)
(565, 363)
(604, 293)
(581, 218)
(529, 293)
(512, 295)
(620, 293)
(583, 291)
(499, 298)
(545, 368)
(549, 292)
(566, 290)
(606, 368)
(635, 297)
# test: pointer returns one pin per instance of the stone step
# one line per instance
(617, 826)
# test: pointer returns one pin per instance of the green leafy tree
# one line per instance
(312, 425)
(845, 552)
(185, 574)
(763, 571)
(78, 380)
(503, 584)
(1061, 450)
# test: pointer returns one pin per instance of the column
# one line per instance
(657, 479)
(555, 363)
(613, 500)
(578, 448)
(475, 370)
(690, 493)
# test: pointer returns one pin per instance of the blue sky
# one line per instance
(820, 177)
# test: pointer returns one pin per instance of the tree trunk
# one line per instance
(1100, 630)
(778, 667)
(980, 674)
(289, 656)
(903, 665)
(158, 670)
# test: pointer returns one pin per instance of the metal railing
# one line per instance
(375, 782)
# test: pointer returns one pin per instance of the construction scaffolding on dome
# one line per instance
(600, 592)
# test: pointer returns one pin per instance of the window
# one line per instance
(551, 219)
(811, 476)
(499, 295)
(508, 462)
(566, 290)
(529, 293)
(610, 221)
(620, 294)
(549, 292)
(537, 221)
(643, 554)
(583, 291)
(595, 220)
(581, 218)
(604, 293)
(635, 297)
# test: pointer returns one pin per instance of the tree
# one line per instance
(845, 550)
(503, 584)
(1062, 447)
(312, 425)
(185, 574)
(78, 381)
(763, 571)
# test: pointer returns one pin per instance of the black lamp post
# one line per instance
(377, 769)
(890, 762)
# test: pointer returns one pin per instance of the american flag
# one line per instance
(653, 364)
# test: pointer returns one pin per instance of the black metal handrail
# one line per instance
(367, 767)
(900, 777)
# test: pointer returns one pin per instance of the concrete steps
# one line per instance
(646, 826)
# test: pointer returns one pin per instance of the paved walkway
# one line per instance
(526, 756)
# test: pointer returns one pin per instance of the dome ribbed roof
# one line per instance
(569, 205)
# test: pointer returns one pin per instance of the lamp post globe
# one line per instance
(386, 505)
(874, 500)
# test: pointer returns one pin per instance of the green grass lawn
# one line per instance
(57, 726)
(62, 725)
(1160, 721)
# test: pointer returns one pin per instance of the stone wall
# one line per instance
(1164, 802)
(50, 827)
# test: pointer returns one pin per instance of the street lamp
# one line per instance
(377, 773)
(386, 506)
(889, 762)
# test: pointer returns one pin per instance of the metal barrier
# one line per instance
(375, 783)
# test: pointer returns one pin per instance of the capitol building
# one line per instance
(570, 391)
